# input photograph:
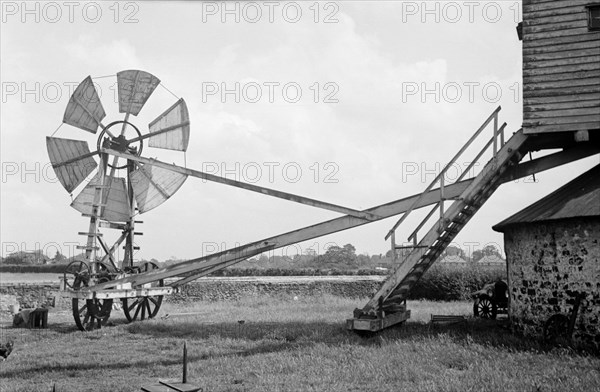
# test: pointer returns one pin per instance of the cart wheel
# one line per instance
(483, 308)
(141, 308)
(93, 313)
(76, 270)
(556, 328)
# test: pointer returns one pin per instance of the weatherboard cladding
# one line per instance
(579, 198)
(561, 67)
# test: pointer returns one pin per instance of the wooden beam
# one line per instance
(279, 241)
(254, 188)
(549, 161)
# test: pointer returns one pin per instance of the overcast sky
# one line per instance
(359, 111)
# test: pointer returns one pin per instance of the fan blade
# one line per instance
(153, 185)
(84, 109)
(71, 160)
(172, 128)
(116, 207)
(135, 87)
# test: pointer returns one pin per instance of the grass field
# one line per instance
(288, 345)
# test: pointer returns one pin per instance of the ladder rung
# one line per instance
(98, 186)
(90, 216)
(138, 221)
(87, 247)
(88, 203)
(111, 225)
(138, 233)
(90, 234)
(134, 248)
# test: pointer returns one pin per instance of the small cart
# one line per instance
(491, 300)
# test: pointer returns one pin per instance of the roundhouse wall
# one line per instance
(548, 263)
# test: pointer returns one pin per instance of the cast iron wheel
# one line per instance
(556, 329)
(484, 308)
(76, 271)
(141, 308)
(94, 313)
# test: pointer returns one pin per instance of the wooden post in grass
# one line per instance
(184, 363)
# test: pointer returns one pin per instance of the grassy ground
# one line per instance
(288, 345)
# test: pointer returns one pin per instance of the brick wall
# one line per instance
(548, 263)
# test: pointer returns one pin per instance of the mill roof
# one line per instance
(578, 198)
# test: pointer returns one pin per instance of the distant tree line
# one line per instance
(342, 259)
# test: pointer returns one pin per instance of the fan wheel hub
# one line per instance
(120, 143)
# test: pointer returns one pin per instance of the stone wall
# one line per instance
(27, 295)
(215, 289)
(548, 264)
(219, 290)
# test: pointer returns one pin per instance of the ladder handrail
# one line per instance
(492, 116)
(483, 150)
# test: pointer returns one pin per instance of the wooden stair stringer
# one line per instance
(400, 293)
(435, 242)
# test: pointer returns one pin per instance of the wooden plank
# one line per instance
(532, 62)
(574, 111)
(306, 233)
(181, 387)
(243, 185)
(536, 5)
(534, 128)
(447, 319)
(583, 90)
(134, 89)
(558, 99)
(553, 27)
(94, 293)
(562, 105)
(532, 36)
(553, 17)
(571, 76)
(547, 162)
(542, 41)
(536, 118)
(531, 71)
(375, 325)
(571, 53)
(156, 388)
(557, 84)
(177, 119)
(563, 47)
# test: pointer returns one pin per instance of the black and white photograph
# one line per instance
(311, 195)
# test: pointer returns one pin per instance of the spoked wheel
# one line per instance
(484, 308)
(90, 314)
(141, 308)
(76, 271)
(556, 329)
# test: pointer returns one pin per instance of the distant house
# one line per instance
(553, 253)
(456, 259)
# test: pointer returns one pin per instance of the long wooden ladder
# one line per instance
(388, 305)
